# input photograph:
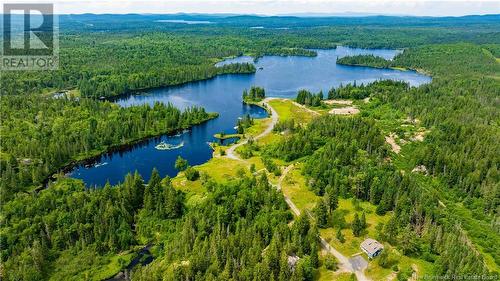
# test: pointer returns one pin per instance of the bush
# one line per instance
(191, 173)
(405, 274)
(181, 164)
(331, 263)
(383, 259)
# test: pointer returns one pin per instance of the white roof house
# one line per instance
(372, 247)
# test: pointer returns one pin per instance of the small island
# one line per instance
(167, 146)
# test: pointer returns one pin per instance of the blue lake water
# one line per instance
(280, 76)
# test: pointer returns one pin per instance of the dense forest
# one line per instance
(242, 229)
(239, 232)
(370, 60)
(40, 135)
(38, 228)
(460, 109)
(106, 55)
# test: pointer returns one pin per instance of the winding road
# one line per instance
(345, 264)
(355, 264)
(230, 152)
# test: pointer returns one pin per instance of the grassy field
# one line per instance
(286, 110)
(88, 265)
(294, 186)
(346, 210)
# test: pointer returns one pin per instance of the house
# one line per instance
(371, 247)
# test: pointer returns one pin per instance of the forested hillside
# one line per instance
(108, 55)
(441, 193)
(41, 135)
(460, 112)
(66, 218)
(239, 231)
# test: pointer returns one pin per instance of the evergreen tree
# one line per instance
(363, 223)
(181, 164)
(331, 199)
(340, 236)
(314, 255)
(320, 213)
(356, 226)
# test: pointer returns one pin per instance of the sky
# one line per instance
(277, 7)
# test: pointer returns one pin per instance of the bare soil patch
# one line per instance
(344, 102)
(390, 139)
(344, 110)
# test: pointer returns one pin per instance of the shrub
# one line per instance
(192, 174)
(331, 263)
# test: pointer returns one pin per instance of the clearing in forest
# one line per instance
(350, 110)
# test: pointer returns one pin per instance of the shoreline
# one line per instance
(93, 158)
(400, 68)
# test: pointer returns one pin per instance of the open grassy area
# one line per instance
(286, 110)
(347, 208)
(402, 262)
(294, 186)
(221, 169)
(88, 265)
(324, 274)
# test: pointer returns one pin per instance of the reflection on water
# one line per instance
(280, 76)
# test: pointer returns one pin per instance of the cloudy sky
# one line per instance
(276, 7)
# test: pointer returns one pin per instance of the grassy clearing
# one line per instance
(402, 262)
(388, 119)
(88, 265)
(347, 208)
(294, 186)
(323, 274)
(286, 110)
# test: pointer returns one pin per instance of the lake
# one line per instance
(280, 76)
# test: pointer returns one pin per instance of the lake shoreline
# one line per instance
(282, 77)
(399, 68)
(128, 146)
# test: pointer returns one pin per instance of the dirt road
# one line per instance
(345, 263)
(230, 152)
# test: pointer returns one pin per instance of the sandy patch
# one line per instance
(419, 136)
(392, 142)
(414, 275)
(366, 100)
(413, 121)
(344, 102)
(392, 276)
(420, 169)
(345, 110)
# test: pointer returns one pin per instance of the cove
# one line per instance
(280, 76)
